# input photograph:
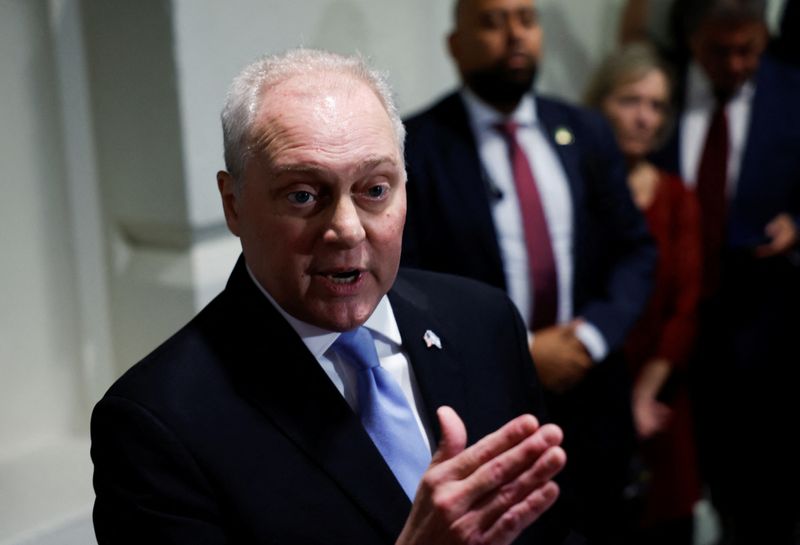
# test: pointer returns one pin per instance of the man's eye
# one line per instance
(527, 17)
(377, 191)
(492, 20)
(300, 197)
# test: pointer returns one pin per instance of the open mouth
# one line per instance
(344, 277)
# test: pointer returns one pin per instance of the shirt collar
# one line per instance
(381, 322)
(483, 115)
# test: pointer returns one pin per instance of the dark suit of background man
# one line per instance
(738, 145)
(464, 218)
(239, 428)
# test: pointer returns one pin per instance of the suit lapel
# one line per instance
(552, 122)
(275, 370)
(437, 370)
(459, 153)
(765, 122)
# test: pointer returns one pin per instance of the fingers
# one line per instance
(509, 465)
(524, 469)
(557, 347)
(562, 372)
(577, 362)
(486, 449)
(783, 234)
(518, 493)
(581, 358)
(489, 492)
(650, 417)
(522, 515)
(576, 352)
(445, 482)
(505, 480)
(771, 248)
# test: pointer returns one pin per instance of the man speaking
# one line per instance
(323, 397)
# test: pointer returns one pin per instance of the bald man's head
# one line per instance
(496, 45)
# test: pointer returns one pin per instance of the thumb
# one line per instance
(454, 435)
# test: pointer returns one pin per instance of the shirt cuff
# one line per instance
(593, 340)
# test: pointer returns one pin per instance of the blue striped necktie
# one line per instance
(384, 411)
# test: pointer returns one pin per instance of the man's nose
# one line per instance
(736, 63)
(514, 29)
(345, 225)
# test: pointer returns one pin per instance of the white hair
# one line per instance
(244, 96)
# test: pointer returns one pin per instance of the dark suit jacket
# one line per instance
(449, 227)
(751, 322)
(230, 432)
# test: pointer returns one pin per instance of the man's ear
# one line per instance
(764, 38)
(230, 200)
(452, 44)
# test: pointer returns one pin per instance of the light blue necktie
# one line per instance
(384, 411)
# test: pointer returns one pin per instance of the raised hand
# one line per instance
(487, 493)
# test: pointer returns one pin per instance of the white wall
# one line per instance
(38, 276)
(110, 227)
(43, 424)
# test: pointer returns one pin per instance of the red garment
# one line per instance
(667, 330)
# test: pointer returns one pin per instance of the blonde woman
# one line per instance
(632, 89)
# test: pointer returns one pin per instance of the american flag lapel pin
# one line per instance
(432, 339)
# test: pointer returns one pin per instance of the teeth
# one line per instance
(345, 277)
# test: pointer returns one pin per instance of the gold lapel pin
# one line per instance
(563, 136)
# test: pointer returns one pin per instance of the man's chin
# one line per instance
(506, 86)
(341, 316)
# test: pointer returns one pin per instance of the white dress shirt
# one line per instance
(696, 117)
(553, 187)
(388, 343)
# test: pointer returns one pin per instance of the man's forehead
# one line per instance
(323, 114)
(323, 95)
(303, 89)
(732, 29)
(748, 36)
(476, 6)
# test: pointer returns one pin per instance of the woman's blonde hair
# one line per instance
(627, 65)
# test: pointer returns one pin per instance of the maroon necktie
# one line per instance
(712, 178)
(541, 262)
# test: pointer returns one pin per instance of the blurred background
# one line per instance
(111, 231)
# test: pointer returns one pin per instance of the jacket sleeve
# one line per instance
(617, 245)
(148, 487)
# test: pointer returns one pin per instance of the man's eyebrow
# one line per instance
(312, 168)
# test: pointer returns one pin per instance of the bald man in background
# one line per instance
(528, 194)
(263, 420)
